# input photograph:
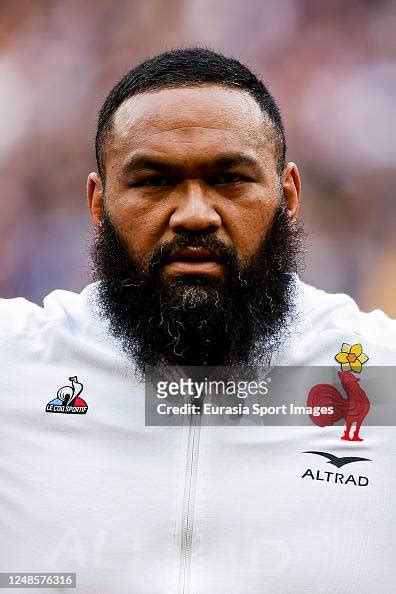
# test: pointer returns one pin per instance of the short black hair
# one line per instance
(188, 67)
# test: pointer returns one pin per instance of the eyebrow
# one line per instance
(142, 162)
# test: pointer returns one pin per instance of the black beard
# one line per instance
(197, 321)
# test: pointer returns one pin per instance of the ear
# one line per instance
(95, 198)
(292, 189)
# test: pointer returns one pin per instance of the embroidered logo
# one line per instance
(68, 400)
(353, 409)
(351, 358)
(334, 477)
(336, 461)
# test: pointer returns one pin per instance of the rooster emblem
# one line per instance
(353, 409)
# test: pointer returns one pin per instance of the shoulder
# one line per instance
(66, 325)
(337, 311)
(19, 315)
(325, 321)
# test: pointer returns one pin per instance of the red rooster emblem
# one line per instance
(353, 409)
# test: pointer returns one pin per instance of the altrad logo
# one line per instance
(68, 400)
(337, 477)
(332, 459)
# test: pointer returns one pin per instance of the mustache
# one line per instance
(161, 256)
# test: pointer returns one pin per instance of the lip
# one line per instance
(191, 260)
(190, 254)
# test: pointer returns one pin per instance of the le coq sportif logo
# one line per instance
(68, 399)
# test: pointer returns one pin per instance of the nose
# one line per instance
(195, 210)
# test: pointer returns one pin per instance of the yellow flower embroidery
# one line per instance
(351, 357)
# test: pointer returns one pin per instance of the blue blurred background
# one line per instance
(331, 65)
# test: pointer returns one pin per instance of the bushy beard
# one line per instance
(197, 321)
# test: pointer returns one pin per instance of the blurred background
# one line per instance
(331, 66)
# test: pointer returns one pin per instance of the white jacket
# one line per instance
(194, 509)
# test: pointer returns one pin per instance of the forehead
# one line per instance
(191, 121)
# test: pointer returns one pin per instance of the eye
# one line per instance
(154, 181)
(229, 178)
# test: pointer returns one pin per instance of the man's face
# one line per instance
(189, 236)
(198, 159)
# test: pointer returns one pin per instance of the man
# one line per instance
(195, 255)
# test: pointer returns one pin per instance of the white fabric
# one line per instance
(195, 510)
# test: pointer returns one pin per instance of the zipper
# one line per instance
(188, 502)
